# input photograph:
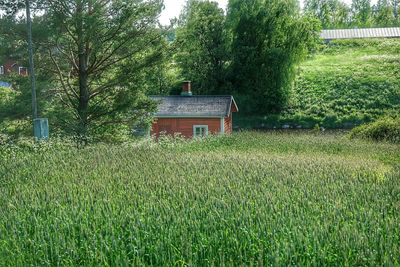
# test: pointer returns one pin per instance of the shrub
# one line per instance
(385, 129)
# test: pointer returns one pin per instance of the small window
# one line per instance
(1, 70)
(22, 71)
(200, 130)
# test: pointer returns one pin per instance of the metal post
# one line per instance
(31, 66)
(40, 125)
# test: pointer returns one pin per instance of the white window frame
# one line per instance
(1, 70)
(19, 70)
(200, 126)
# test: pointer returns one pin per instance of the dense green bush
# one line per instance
(385, 129)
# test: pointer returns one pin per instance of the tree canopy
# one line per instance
(202, 53)
(98, 59)
(93, 53)
(335, 14)
(268, 39)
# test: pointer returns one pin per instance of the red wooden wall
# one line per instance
(228, 124)
(184, 125)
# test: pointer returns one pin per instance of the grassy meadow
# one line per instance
(249, 199)
(343, 84)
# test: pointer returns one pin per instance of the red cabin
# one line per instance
(193, 116)
(12, 67)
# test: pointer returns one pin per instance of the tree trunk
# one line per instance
(83, 96)
(82, 77)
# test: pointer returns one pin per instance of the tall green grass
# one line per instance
(248, 199)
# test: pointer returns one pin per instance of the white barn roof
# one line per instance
(393, 32)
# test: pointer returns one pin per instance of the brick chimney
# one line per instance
(186, 89)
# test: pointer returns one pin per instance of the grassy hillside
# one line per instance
(344, 84)
(250, 199)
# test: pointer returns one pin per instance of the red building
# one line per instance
(12, 67)
(193, 116)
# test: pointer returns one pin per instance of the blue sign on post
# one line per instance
(5, 84)
(41, 128)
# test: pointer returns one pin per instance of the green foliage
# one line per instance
(16, 105)
(361, 13)
(384, 16)
(95, 62)
(343, 85)
(334, 14)
(10, 46)
(112, 44)
(268, 39)
(247, 199)
(384, 129)
(348, 83)
(331, 13)
(202, 52)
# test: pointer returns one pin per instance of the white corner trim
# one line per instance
(19, 70)
(222, 127)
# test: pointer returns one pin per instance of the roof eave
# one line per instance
(189, 116)
(230, 107)
(234, 102)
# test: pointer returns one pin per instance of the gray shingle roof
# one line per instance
(393, 32)
(194, 106)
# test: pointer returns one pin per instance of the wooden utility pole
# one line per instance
(31, 65)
